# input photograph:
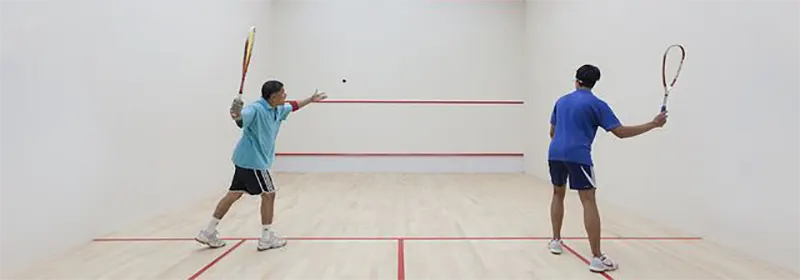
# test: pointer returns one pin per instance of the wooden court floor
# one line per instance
(401, 226)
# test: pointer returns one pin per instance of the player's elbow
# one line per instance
(621, 132)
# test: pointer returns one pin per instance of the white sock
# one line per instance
(212, 225)
(265, 231)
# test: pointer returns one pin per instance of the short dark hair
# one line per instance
(269, 88)
(587, 75)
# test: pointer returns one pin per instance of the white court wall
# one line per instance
(113, 112)
(404, 50)
(726, 165)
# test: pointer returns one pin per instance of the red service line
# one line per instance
(442, 238)
(408, 238)
(401, 154)
(401, 260)
(413, 101)
(401, 273)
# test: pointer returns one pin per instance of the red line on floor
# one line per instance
(585, 260)
(401, 260)
(661, 238)
(343, 238)
(110, 239)
(212, 263)
(388, 238)
(440, 238)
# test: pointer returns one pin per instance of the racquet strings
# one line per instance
(248, 53)
(672, 63)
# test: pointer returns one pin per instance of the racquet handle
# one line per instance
(240, 98)
(663, 108)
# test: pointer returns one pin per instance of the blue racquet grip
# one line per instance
(663, 108)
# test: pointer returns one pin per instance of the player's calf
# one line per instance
(225, 203)
(591, 216)
(209, 235)
(557, 218)
(269, 238)
(591, 220)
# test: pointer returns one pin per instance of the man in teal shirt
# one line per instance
(253, 156)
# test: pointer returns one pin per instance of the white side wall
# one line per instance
(421, 50)
(726, 165)
(113, 112)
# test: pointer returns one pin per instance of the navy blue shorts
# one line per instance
(581, 176)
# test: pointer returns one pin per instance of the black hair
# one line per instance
(269, 88)
(587, 75)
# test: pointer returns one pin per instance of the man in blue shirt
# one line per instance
(573, 125)
(260, 122)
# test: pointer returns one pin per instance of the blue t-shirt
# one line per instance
(260, 125)
(576, 117)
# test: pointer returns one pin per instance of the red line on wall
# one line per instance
(216, 260)
(444, 102)
(401, 154)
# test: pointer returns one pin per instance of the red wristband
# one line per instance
(295, 106)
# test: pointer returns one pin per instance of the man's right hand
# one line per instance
(624, 131)
(660, 120)
(236, 108)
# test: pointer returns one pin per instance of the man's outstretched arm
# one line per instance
(316, 97)
(294, 105)
(624, 131)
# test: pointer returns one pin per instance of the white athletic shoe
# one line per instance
(210, 238)
(602, 264)
(270, 240)
(556, 247)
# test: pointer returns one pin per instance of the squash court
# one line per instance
(402, 226)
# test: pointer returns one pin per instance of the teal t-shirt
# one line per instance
(260, 125)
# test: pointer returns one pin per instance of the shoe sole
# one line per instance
(207, 244)
(271, 247)
(592, 269)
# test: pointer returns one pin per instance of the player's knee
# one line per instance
(266, 195)
(587, 196)
(560, 191)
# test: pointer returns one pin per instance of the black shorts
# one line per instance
(252, 181)
(580, 176)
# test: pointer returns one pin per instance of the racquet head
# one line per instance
(671, 65)
(248, 53)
